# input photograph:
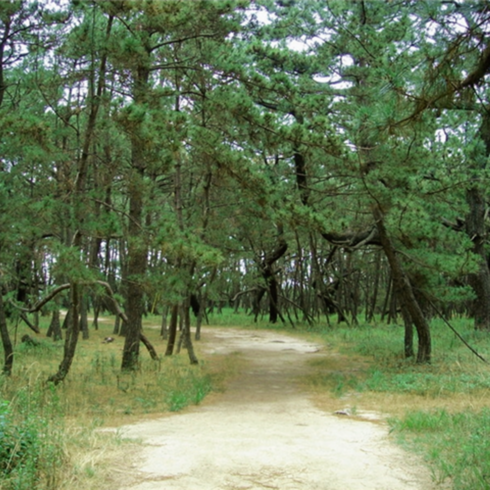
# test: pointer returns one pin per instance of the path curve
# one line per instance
(265, 433)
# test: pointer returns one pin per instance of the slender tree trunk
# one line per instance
(95, 322)
(372, 304)
(186, 334)
(408, 340)
(117, 326)
(172, 332)
(71, 338)
(6, 342)
(404, 291)
(151, 350)
(200, 315)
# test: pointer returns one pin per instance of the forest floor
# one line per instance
(265, 431)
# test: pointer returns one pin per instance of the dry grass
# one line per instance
(338, 382)
(96, 395)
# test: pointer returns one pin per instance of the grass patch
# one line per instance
(439, 410)
(48, 435)
(457, 445)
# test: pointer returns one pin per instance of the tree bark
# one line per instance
(71, 338)
(404, 291)
(480, 280)
(172, 331)
(269, 275)
(137, 249)
(54, 329)
(6, 342)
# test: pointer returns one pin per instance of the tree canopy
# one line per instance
(306, 157)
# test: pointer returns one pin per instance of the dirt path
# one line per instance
(264, 432)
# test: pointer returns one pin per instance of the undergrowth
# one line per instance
(45, 429)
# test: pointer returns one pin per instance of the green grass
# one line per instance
(47, 431)
(457, 445)
(440, 410)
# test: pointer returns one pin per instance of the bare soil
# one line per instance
(265, 432)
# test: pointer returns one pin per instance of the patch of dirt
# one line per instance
(265, 432)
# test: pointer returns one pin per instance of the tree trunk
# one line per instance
(186, 334)
(54, 329)
(408, 340)
(151, 350)
(405, 292)
(200, 315)
(71, 338)
(137, 249)
(268, 274)
(480, 280)
(172, 332)
(117, 325)
(6, 342)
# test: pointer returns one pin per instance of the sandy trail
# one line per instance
(264, 432)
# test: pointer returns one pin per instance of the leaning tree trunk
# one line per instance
(404, 291)
(71, 338)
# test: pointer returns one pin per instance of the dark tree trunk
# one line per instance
(172, 332)
(200, 315)
(371, 305)
(186, 335)
(71, 338)
(68, 319)
(273, 298)
(95, 322)
(408, 339)
(137, 248)
(54, 329)
(256, 302)
(151, 350)
(117, 325)
(480, 280)
(404, 292)
(269, 274)
(6, 342)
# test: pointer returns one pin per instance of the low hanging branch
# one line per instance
(110, 292)
(439, 313)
